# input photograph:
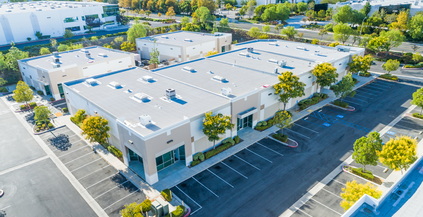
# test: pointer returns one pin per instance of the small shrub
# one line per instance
(217, 150)
(50, 125)
(65, 110)
(237, 139)
(363, 173)
(340, 103)
(167, 194)
(178, 212)
(229, 140)
(52, 99)
(3, 90)
(280, 137)
(418, 115)
(264, 123)
(195, 162)
(364, 74)
(115, 151)
(40, 92)
(389, 77)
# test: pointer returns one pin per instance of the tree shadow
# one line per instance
(61, 142)
(30, 118)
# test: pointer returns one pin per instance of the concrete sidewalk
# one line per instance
(249, 137)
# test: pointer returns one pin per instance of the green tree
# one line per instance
(282, 12)
(417, 57)
(38, 34)
(132, 210)
(145, 206)
(366, 9)
(395, 38)
(344, 87)
(23, 93)
(289, 31)
(224, 22)
(325, 74)
(417, 99)
(322, 32)
(203, 15)
(2, 81)
(391, 65)
(344, 14)
(42, 114)
(401, 21)
(360, 63)
(416, 27)
(62, 47)
(154, 56)
(68, 34)
(44, 51)
(301, 7)
(342, 32)
(216, 125)
(127, 46)
(12, 57)
(399, 153)
(377, 44)
(289, 87)
(53, 43)
(96, 129)
(137, 30)
(185, 20)
(282, 119)
(366, 149)
(265, 28)
(209, 4)
(254, 32)
(353, 191)
(170, 12)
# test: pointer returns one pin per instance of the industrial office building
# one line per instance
(156, 116)
(20, 21)
(47, 73)
(182, 46)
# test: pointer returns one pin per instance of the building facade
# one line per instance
(47, 73)
(20, 22)
(156, 116)
(182, 46)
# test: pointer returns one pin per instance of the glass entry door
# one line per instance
(245, 122)
(133, 156)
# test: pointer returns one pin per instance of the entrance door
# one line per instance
(47, 88)
(133, 156)
(245, 122)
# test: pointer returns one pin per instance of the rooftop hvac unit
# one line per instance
(226, 91)
(55, 65)
(273, 61)
(301, 48)
(83, 50)
(145, 120)
(91, 81)
(165, 37)
(102, 55)
(115, 85)
(170, 93)
(56, 54)
(282, 63)
(276, 71)
(188, 40)
(250, 50)
(244, 54)
(88, 55)
(141, 96)
(56, 60)
(219, 78)
(343, 49)
(273, 44)
(147, 78)
(189, 69)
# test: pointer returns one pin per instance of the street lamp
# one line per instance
(362, 23)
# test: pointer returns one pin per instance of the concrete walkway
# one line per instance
(249, 137)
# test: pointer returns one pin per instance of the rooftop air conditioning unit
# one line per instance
(273, 44)
(55, 65)
(188, 40)
(141, 96)
(147, 78)
(244, 54)
(273, 61)
(343, 49)
(170, 93)
(88, 55)
(165, 37)
(102, 55)
(282, 63)
(226, 91)
(145, 120)
(250, 50)
(189, 69)
(301, 48)
(56, 60)
(219, 78)
(91, 81)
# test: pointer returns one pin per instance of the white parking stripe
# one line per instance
(338, 182)
(101, 180)
(269, 149)
(360, 96)
(122, 199)
(380, 90)
(300, 134)
(86, 164)
(365, 92)
(326, 206)
(190, 199)
(331, 193)
(304, 212)
(246, 162)
(73, 151)
(220, 178)
(361, 100)
(93, 172)
(78, 158)
(381, 85)
(234, 170)
(305, 128)
(205, 187)
(111, 189)
(349, 101)
(259, 155)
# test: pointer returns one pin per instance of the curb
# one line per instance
(342, 167)
(350, 108)
(188, 212)
(39, 133)
(286, 144)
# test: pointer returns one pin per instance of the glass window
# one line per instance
(159, 160)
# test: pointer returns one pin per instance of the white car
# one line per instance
(1, 193)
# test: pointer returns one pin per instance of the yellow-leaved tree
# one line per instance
(95, 129)
(353, 191)
(399, 153)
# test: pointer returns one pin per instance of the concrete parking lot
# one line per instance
(32, 183)
(106, 185)
(266, 178)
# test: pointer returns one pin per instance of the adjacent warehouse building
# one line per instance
(47, 73)
(20, 22)
(156, 116)
(181, 46)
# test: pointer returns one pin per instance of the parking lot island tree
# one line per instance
(282, 119)
(418, 99)
(344, 87)
(216, 125)
(79, 117)
(325, 74)
(42, 114)
(353, 191)
(289, 87)
(391, 65)
(360, 64)
(366, 149)
(132, 210)
(96, 129)
(399, 153)
(23, 93)
(145, 206)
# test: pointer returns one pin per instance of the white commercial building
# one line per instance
(47, 73)
(20, 22)
(156, 116)
(391, 6)
(183, 45)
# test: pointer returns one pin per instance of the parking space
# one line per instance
(105, 184)
(366, 94)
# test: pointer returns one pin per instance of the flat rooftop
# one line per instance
(183, 38)
(24, 7)
(143, 92)
(75, 58)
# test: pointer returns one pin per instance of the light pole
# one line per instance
(362, 23)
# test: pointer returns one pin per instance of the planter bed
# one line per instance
(317, 97)
(347, 108)
(285, 141)
(389, 77)
(218, 149)
(417, 115)
(365, 175)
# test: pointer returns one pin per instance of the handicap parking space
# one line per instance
(104, 183)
